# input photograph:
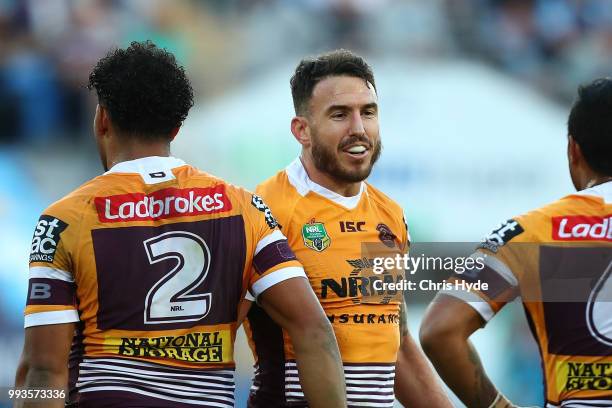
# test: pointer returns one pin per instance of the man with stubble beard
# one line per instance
(327, 210)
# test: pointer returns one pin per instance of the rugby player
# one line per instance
(558, 259)
(148, 264)
(327, 210)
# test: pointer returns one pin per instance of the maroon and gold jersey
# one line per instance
(558, 259)
(152, 259)
(326, 232)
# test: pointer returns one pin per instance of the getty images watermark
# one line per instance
(410, 264)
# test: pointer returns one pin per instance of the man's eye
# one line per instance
(369, 113)
(338, 115)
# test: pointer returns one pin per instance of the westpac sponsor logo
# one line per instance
(46, 238)
(161, 204)
(582, 228)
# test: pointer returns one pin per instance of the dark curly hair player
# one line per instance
(143, 92)
(137, 278)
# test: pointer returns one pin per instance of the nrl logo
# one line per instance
(315, 236)
(360, 264)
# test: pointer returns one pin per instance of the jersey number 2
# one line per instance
(599, 308)
(171, 299)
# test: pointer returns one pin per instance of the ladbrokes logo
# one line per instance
(166, 203)
(582, 228)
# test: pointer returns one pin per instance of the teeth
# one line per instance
(357, 149)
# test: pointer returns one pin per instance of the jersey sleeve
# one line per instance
(273, 261)
(51, 297)
(492, 279)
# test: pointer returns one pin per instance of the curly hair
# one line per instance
(590, 124)
(310, 71)
(146, 93)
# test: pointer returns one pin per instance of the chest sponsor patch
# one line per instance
(46, 238)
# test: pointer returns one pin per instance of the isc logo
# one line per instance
(46, 238)
(352, 226)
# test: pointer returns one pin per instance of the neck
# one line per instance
(126, 150)
(345, 189)
(597, 180)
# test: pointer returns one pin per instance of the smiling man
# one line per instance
(327, 210)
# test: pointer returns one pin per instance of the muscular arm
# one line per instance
(416, 385)
(293, 305)
(446, 327)
(44, 361)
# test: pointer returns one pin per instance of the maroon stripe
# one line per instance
(126, 399)
(366, 393)
(273, 254)
(379, 401)
(160, 368)
(269, 347)
(43, 291)
(368, 364)
(75, 358)
(203, 397)
(93, 378)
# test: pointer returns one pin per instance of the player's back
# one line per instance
(152, 259)
(573, 323)
(326, 232)
(559, 260)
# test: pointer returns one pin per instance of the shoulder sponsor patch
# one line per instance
(501, 235)
(46, 238)
(258, 202)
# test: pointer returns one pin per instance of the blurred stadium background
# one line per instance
(474, 96)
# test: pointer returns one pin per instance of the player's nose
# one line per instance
(357, 127)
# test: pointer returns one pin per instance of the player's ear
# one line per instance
(101, 121)
(299, 128)
(174, 132)
(574, 153)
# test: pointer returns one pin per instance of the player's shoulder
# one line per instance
(383, 201)
(589, 202)
(280, 188)
(71, 206)
(574, 213)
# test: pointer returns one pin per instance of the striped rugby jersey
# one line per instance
(326, 232)
(152, 259)
(558, 259)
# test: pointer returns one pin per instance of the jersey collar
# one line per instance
(603, 190)
(146, 164)
(303, 184)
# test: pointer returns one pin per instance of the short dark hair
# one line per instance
(590, 124)
(312, 70)
(145, 91)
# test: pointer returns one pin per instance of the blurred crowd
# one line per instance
(553, 44)
(47, 47)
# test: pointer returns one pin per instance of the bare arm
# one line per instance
(293, 305)
(416, 385)
(446, 327)
(44, 362)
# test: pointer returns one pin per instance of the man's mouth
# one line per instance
(357, 151)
